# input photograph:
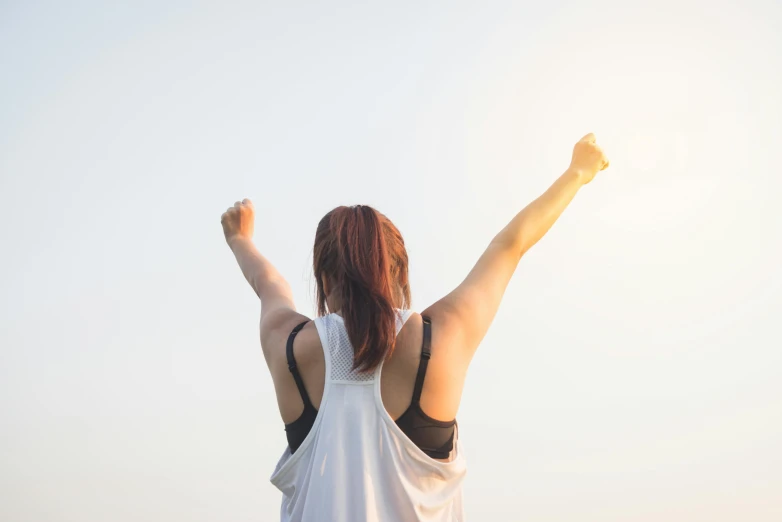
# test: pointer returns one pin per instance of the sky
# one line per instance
(632, 371)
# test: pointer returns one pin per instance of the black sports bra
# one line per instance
(434, 437)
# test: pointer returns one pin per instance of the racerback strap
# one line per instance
(425, 354)
(292, 366)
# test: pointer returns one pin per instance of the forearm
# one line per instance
(532, 223)
(259, 272)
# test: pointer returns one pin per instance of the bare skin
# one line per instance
(460, 320)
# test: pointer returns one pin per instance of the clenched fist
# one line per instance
(239, 221)
(588, 158)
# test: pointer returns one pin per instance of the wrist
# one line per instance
(238, 241)
(576, 175)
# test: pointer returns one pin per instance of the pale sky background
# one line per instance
(633, 370)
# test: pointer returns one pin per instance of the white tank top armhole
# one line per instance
(288, 460)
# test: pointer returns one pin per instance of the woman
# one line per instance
(369, 390)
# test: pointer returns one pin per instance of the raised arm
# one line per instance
(466, 313)
(270, 286)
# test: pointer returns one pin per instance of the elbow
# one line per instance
(515, 247)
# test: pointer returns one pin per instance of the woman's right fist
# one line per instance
(588, 158)
(239, 221)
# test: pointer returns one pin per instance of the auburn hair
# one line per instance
(362, 254)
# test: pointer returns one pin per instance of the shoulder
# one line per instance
(276, 327)
(411, 336)
(448, 333)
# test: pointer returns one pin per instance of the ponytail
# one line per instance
(364, 255)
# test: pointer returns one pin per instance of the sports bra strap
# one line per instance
(425, 354)
(292, 365)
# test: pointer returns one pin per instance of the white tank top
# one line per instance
(356, 464)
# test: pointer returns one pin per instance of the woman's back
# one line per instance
(355, 462)
(442, 388)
